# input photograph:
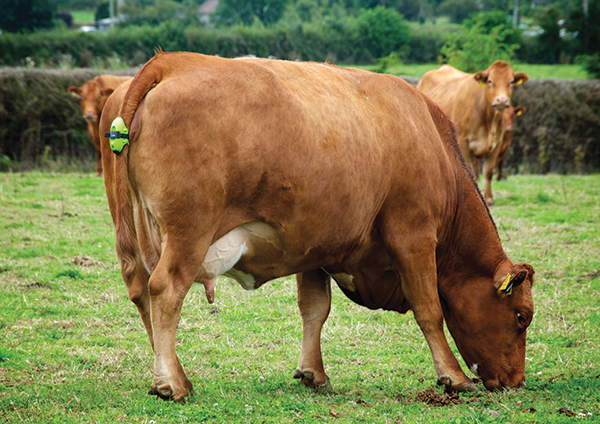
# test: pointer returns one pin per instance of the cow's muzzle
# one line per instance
(500, 103)
(90, 117)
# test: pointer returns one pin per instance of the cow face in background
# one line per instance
(498, 81)
(489, 325)
(93, 98)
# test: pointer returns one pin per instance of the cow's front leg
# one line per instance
(414, 257)
(314, 301)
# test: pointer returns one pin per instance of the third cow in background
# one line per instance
(476, 103)
(93, 95)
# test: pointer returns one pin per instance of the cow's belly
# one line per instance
(253, 254)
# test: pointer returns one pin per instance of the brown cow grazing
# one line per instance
(93, 95)
(257, 169)
(475, 103)
(499, 153)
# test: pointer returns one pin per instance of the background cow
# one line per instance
(93, 95)
(509, 130)
(475, 103)
(257, 169)
(499, 153)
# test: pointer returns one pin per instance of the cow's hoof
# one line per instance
(309, 379)
(467, 386)
(166, 393)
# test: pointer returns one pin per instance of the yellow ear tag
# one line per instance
(519, 113)
(519, 82)
(481, 84)
(505, 285)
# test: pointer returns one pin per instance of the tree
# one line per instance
(587, 28)
(480, 44)
(231, 12)
(457, 10)
(550, 43)
(26, 15)
(382, 30)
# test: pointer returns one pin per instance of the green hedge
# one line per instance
(558, 133)
(39, 120)
(134, 45)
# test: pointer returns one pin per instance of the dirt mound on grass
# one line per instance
(431, 397)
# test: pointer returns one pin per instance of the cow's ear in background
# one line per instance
(520, 78)
(481, 77)
(520, 110)
(106, 91)
(74, 91)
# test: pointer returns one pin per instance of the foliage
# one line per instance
(159, 11)
(488, 21)
(74, 349)
(26, 15)
(559, 131)
(233, 12)
(385, 63)
(588, 30)
(382, 30)
(591, 64)
(457, 10)
(550, 42)
(102, 11)
(478, 46)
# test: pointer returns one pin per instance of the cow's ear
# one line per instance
(481, 77)
(520, 110)
(505, 284)
(106, 91)
(520, 78)
(74, 91)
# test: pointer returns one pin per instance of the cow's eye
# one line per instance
(522, 319)
(490, 81)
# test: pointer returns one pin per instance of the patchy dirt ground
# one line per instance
(431, 397)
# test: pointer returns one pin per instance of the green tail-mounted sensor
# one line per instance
(119, 135)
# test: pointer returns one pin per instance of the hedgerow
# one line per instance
(558, 132)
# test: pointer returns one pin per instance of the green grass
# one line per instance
(73, 349)
(83, 16)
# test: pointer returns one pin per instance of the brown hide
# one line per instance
(93, 95)
(474, 102)
(257, 169)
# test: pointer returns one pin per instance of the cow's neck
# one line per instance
(469, 245)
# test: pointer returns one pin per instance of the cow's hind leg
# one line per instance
(167, 288)
(314, 301)
(412, 248)
(138, 293)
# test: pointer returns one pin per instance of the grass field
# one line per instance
(82, 16)
(73, 349)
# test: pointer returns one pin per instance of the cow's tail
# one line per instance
(126, 236)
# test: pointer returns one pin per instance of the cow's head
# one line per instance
(488, 321)
(498, 81)
(93, 98)
(509, 115)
